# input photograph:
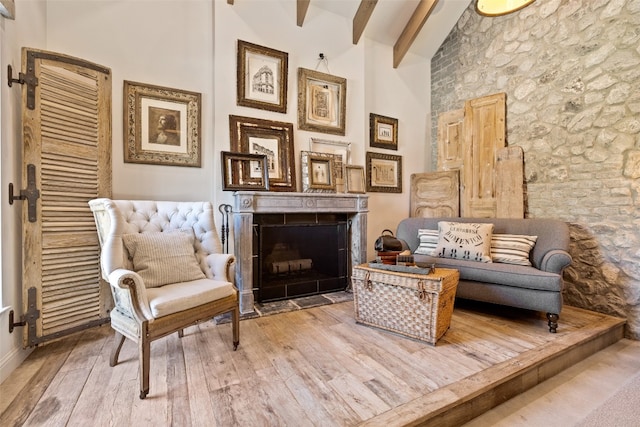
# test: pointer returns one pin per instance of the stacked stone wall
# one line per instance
(571, 72)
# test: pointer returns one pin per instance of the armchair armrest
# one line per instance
(220, 266)
(555, 261)
(131, 293)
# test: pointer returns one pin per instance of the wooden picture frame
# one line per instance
(244, 171)
(354, 179)
(318, 172)
(384, 172)
(383, 132)
(262, 76)
(161, 125)
(271, 138)
(342, 152)
(322, 101)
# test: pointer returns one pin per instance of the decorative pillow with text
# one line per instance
(463, 240)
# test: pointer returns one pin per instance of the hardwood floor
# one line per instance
(313, 367)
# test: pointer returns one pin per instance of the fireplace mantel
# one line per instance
(249, 203)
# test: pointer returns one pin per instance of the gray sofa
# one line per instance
(537, 287)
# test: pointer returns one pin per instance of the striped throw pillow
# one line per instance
(428, 242)
(163, 258)
(512, 248)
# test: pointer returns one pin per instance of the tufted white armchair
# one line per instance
(166, 269)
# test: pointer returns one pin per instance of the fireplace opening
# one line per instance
(299, 255)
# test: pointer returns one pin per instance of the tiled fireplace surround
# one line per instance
(249, 203)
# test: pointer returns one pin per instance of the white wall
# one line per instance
(173, 43)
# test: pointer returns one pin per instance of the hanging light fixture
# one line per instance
(500, 7)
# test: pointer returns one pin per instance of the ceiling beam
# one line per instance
(410, 32)
(301, 11)
(229, 1)
(362, 17)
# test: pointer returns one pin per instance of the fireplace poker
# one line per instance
(225, 210)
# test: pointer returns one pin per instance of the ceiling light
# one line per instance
(500, 7)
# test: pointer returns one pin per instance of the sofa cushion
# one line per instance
(468, 241)
(178, 297)
(428, 242)
(498, 273)
(163, 258)
(512, 248)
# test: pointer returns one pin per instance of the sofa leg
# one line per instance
(553, 322)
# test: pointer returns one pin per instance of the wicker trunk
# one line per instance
(416, 305)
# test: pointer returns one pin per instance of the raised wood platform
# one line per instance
(308, 367)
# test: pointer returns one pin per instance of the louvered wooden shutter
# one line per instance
(67, 139)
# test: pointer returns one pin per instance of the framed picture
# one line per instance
(342, 156)
(322, 100)
(262, 77)
(161, 125)
(318, 172)
(383, 132)
(354, 179)
(384, 173)
(271, 138)
(244, 171)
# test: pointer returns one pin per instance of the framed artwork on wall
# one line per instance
(322, 101)
(270, 138)
(244, 171)
(262, 75)
(384, 173)
(342, 156)
(318, 172)
(383, 132)
(354, 179)
(161, 125)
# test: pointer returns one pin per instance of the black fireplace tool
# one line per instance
(225, 210)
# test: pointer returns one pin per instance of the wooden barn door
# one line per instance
(66, 104)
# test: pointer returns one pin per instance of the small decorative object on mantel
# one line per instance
(383, 132)
(322, 101)
(161, 125)
(384, 173)
(262, 77)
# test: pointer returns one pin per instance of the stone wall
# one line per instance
(571, 72)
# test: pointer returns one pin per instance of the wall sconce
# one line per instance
(500, 7)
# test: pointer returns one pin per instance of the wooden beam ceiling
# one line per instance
(411, 30)
(362, 17)
(301, 11)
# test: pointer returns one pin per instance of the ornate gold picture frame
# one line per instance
(244, 171)
(322, 101)
(384, 173)
(271, 138)
(161, 125)
(318, 172)
(383, 132)
(262, 75)
(354, 179)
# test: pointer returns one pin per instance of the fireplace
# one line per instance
(295, 244)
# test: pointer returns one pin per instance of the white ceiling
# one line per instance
(391, 16)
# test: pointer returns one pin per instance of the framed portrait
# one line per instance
(383, 132)
(272, 139)
(161, 125)
(354, 179)
(384, 173)
(262, 77)
(318, 172)
(244, 171)
(322, 100)
(342, 156)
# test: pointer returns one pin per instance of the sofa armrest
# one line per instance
(220, 265)
(130, 294)
(555, 261)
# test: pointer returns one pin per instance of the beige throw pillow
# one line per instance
(467, 241)
(163, 258)
(512, 248)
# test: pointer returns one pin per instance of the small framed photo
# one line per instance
(161, 125)
(355, 179)
(384, 173)
(342, 156)
(271, 138)
(262, 77)
(318, 172)
(383, 132)
(322, 100)
(244, 171)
